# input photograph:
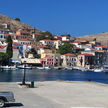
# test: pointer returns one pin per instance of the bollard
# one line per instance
(32, 84)
(89, 79)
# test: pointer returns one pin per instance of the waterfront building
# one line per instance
(100, 59)
(31, 61)
(69, 60)
(57, 60)
(85, 60)
(47, 61)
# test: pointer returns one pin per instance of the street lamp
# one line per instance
(23, 81)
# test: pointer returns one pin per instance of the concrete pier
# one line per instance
(58, 94)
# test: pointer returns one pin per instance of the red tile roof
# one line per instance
(43, 46)
(7, 34)
(38, 34)
(102, 46)
(46, 57)
(57, 36)
(46, 40)
(4, 29)
(25, 39)
(65, 36)
(77, 42)
(24, 31)
(87, 54)
(92, 49)
(69, 54)
(14, 47)
(15, 43)
(1, 46)
(76, 47)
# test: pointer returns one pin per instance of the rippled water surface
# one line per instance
(49, 75)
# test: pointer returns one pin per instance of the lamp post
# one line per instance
(23, 81)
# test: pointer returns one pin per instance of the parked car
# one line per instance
(6, 97)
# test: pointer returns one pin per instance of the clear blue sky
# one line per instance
(75, 17)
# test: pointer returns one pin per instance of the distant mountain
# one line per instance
(100, 37)
(14, 24)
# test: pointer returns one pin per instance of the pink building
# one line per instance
(47, 61)
(23, 34)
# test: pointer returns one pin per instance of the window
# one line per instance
(1, 36)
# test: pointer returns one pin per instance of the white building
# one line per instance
(65, 38)
(46, 42)
(4, 33)
(77, 43)
(24, 41)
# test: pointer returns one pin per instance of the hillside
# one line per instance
(100, 37)
(15, 25)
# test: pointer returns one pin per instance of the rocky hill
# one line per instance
(100, 37)
(14, 25)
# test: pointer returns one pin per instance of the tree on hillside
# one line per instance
(9, 50)
(66, 48)
(17, 19)
(34, 52)
(45, 35)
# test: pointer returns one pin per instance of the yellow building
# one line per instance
(57, 44)
(45, 52)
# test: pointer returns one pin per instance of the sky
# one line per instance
(74, 17)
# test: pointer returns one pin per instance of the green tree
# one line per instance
(9, 50)
(45, 35)
(66, 48)
(3, 58)
(17, 19)
(34, 52)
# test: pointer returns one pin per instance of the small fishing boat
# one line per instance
(7, 67)
(98, 70)
(40, 67)
(24, 67)
(47, 67)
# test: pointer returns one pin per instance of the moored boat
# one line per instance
(40, 67)
(24, 67)
(98, 70)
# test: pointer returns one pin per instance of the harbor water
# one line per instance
(52, 75)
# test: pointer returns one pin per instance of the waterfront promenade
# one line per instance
(58, 94)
